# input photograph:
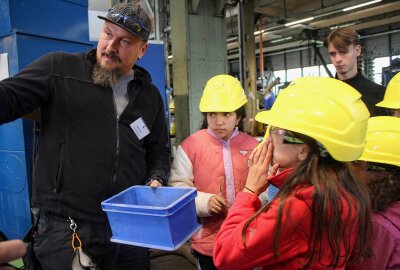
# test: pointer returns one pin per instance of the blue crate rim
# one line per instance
(162, 247)
(192, 189)
(152, 214)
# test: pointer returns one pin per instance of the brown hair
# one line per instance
(334, 189)
(384, 187)
(342, 38)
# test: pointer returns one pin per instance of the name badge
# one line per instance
(139, 128)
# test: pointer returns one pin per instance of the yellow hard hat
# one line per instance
(392, 94)
(223, 93)
(326, 109)
(383, 136)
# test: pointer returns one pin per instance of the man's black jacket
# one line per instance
(371, 93)
(86, 153)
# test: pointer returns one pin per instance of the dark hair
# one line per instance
(240, 113)
(384, 187)
(3, 237)
(342, 38)
(334, 189)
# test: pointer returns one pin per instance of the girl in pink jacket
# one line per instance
(320, 216)
(214, 160)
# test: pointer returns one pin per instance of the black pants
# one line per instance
(53, 247)
(204, 262)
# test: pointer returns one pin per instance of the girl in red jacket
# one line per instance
(321, 214)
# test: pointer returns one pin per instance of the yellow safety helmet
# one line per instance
(326, 109)
(392, 94)
(223, 93)
(383, 137)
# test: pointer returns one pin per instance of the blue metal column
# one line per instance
(153, 62)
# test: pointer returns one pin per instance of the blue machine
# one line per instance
(29, 29)
(153, 62)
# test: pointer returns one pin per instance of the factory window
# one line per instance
(281, 74)
(323, 71)
(293, 73)
(311, 71)
(380, 63)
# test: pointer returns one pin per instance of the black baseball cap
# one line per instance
(132, 17)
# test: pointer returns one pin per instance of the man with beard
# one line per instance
(344, 48)
(102, 130)
(379, 168)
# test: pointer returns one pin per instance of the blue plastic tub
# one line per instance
(162, 218)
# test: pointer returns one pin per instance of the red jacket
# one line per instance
(229, 252)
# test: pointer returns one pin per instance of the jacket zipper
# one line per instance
(114, 176)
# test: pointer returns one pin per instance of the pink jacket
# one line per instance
(385, 241)
(230, 253)
(213, 166)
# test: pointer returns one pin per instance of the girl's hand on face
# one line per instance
(217, 204)
(259, 162)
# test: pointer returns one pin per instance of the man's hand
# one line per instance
(154, 183)
(11, 250)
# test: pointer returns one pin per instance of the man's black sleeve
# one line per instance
(26, 91)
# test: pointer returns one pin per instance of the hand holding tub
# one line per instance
(155, 183)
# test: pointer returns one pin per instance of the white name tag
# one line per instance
(140, 128)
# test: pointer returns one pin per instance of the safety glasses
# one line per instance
(284, 136)
(128, 21)
(375, 167)
(369, 166)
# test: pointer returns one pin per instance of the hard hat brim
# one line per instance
(389, 104)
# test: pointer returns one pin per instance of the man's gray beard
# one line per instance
(105, 77)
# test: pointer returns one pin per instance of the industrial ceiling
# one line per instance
(291, 24)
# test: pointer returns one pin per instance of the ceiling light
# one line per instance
(299, 21)
(362, 5)
(341, 25)
(280, 39)
(318, 16)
